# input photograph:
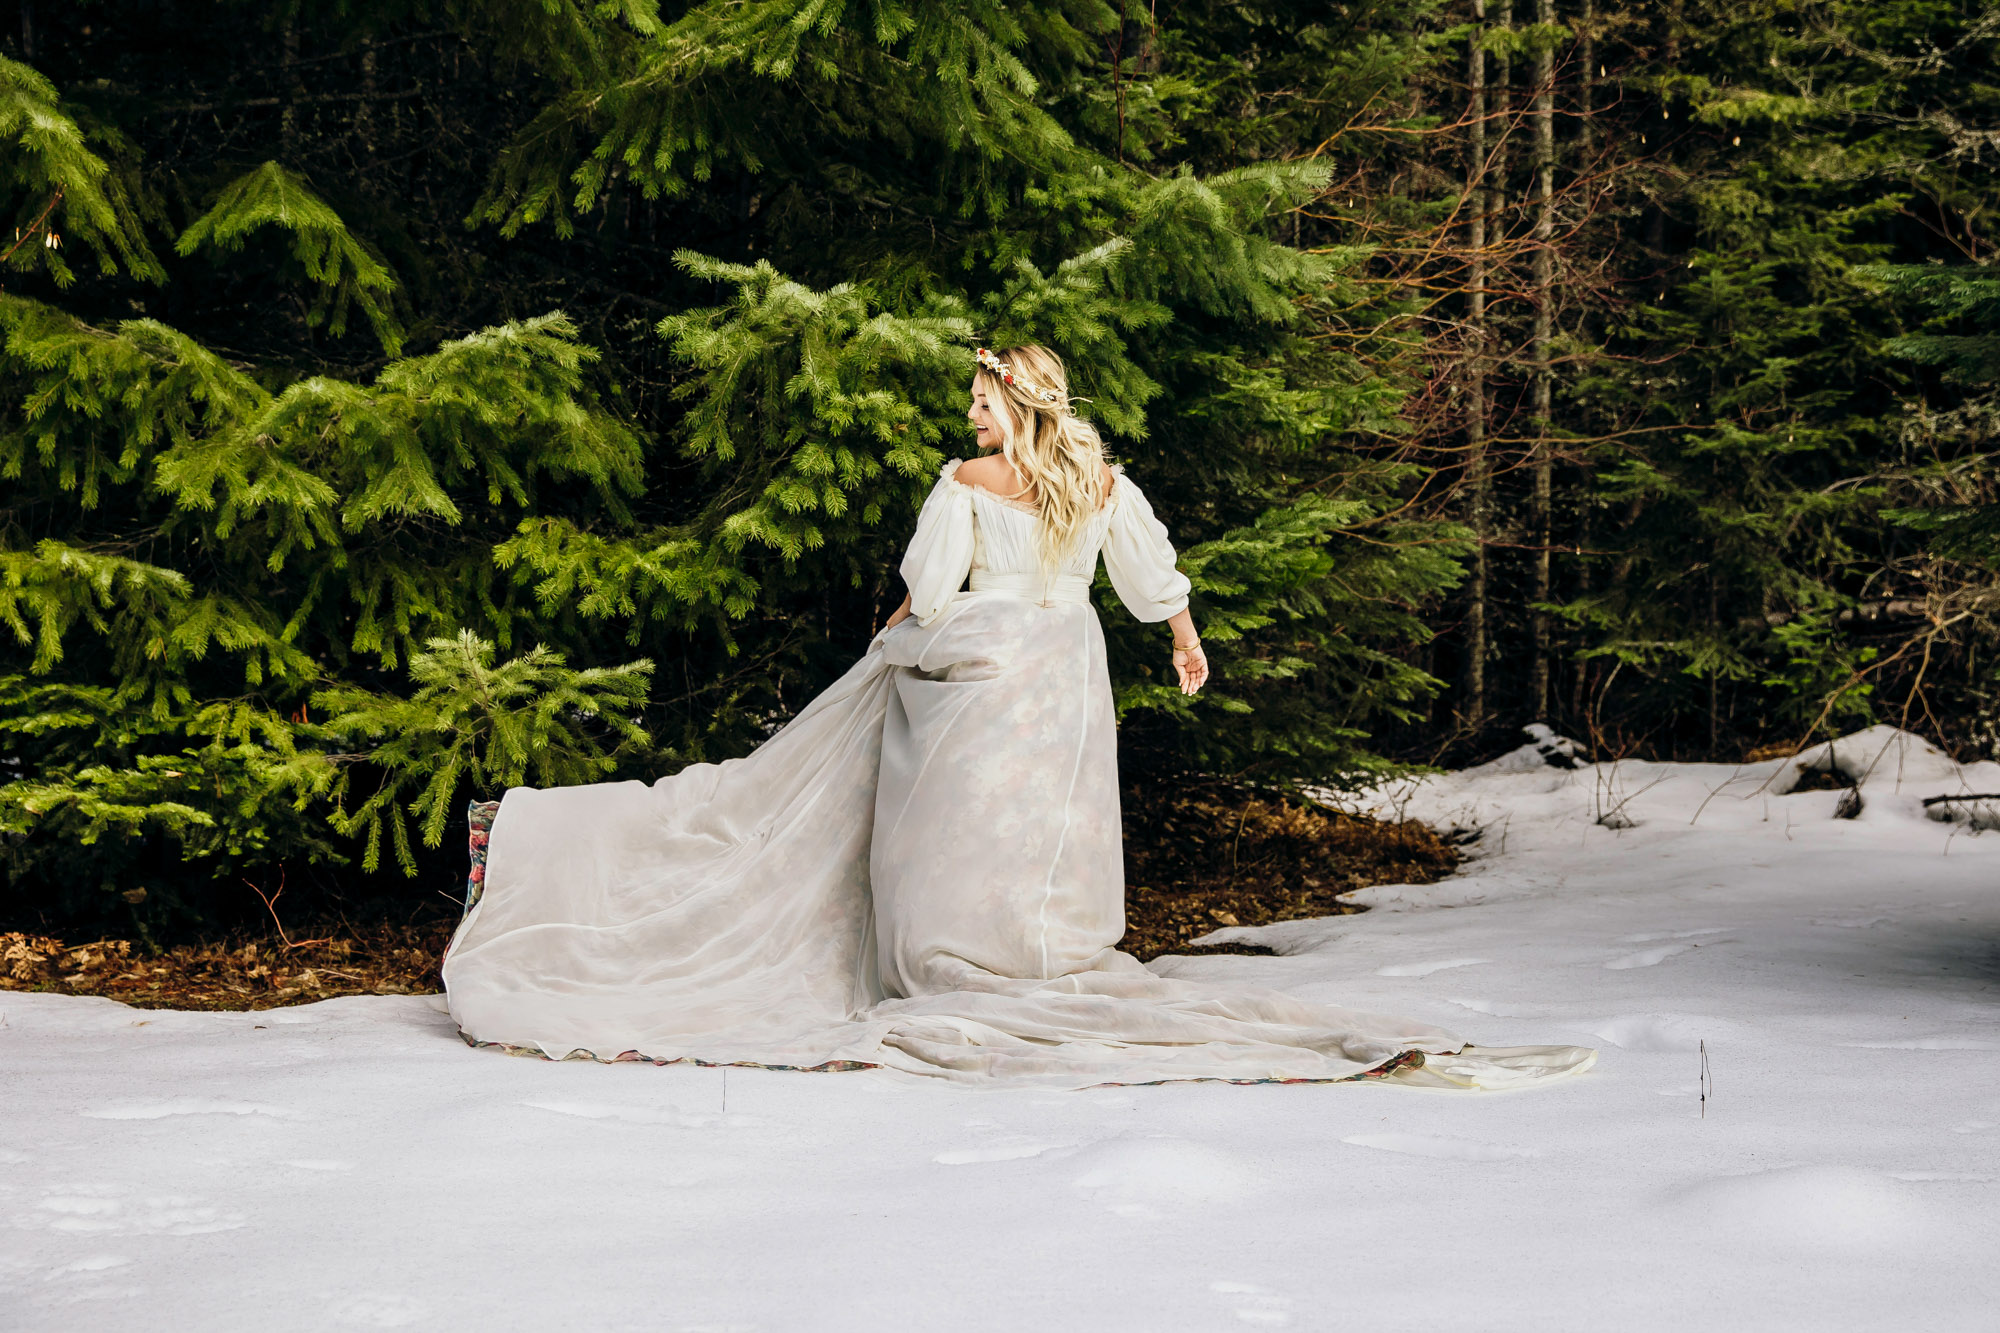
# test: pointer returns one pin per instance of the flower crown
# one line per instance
(993, 363)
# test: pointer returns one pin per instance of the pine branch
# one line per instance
(50, 158)
(346, 270)
(530, 719)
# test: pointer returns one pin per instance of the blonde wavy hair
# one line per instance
(1056, 453)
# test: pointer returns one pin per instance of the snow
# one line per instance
(351, 1164)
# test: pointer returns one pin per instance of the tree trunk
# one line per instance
(1586, 135)
(288, 119)
(1586, 130)
(1479, 473)
(1543, 461)
(1499, 99)
(364, 114)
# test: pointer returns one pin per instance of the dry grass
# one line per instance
(1208, 855)
(246, 973)
(1196, 858)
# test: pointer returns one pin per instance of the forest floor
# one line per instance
(1794, 1122)
(1201, 856)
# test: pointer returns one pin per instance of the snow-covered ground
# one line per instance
(352, 1164)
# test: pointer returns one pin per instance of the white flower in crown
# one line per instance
(986, 358)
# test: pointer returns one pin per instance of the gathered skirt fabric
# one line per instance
(921, 871)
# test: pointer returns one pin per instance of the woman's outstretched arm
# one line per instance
(899, 615)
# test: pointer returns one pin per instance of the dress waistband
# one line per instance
(1034, 587)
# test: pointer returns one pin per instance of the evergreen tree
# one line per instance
(319, 518)
(1749, 588)
(1963, 516)
(1949, 493)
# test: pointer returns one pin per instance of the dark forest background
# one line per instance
(400, 400)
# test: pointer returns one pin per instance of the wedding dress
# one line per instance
(922, 870)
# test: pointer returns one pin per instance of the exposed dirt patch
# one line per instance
(243, 973)
(1196, 857)
(1820, 779)
(1207, 855)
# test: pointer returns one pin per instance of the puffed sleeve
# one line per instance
(1139, 557)
(940, 553)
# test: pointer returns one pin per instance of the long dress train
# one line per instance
(922, 870)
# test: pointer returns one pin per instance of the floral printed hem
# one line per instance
(1387, 1069)
(479, 820)
(639, 1057)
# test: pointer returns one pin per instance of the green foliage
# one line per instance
(807, 399)
(1951, 293)
(1301, 693)
(236, 558)
(1822, 680)
(665, 325)
(521, 723)
(1758, 437)
(341, 266)
(753, 86)
(289, 603)
(1963, 520)
(47, 153)
(146, 816)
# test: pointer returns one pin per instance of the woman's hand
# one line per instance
(1190, 662)
(1192, 666)
(1189, 659)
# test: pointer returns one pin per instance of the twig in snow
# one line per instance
(1900, 754)
(1707, 1083)
(1613, 811)
(1712, 791)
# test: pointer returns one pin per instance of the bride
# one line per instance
(922, 870)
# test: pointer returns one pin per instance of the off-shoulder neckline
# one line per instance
(949, 472)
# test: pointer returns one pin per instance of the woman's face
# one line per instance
(988, 415)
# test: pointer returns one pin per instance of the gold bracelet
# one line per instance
(1187, 647)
